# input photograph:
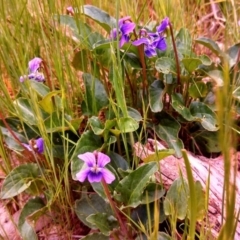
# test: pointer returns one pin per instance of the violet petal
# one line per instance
(27, 146)
(124, 39)
(89, 158)
(141, 41)
(108, 176)
(82, 175)
(94, 177)
(161, 44)
(122, 20)
(40, 145)
(163, 25)
(150, 52)
(127, 28)
(34, 64)
(102, 159)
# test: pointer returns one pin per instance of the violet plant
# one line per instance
(138, 83)
(95, 168)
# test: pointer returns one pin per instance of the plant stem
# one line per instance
(144, 73)
(114, 208)
(175, 53)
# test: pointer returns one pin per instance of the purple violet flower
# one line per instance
(34, 64)
(149, 48)
(35, 145)
(160, 43)
(70, 10)
(95, 171)
(125, 27)
(163, 25)
(34, 74)
(153, 41)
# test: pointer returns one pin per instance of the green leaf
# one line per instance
(26, 229)
(156, 93)
(95, 96)
(87, 143)
(145, 214)
(131, 187)
(165, 65)
(191, 64)
(99, 16)
(232, 53)
(133, 60)
(202, 113)
(217, 76)
(80, 31)
(152, 193)
(207, 141)
(207, 42)
(198, 90)
(127, 124)
(10, 140)
(54, 123)
(19, 179)
(176, 200)
(104, 44)
(167, 130)
(96, 125)
(24, 109)
(49, 102)
(103, 222)
(91, 204)
(159, 155)
(184, 42)
(94, 236)
(40, 88)
(201, 199)
(178, 105)
(205, 60)
(117, 161)
(135, 114)
(19, 129)
(80, 60)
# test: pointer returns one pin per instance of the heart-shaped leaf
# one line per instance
(96, 125)
(99, 16)
(156, 93)
(198, 90)
(90, 204)
(178, 105)
(191, 64)
(50, 101)
(127, 124)
(19, 179)
(103, 222)
(27, 230)
(152, 192)
(184, 42)
(165, 65)
(95, 95)
(202, 113)
(232, 53)
(207, 42)
(130, 188)
(167, 130)
(176, 201)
